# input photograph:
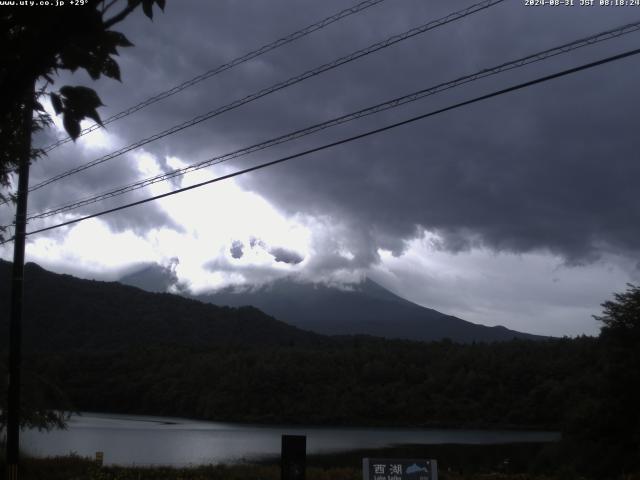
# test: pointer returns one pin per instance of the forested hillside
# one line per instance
(64, 313)
(353, 381)
(111, 347)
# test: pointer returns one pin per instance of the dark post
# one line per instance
(15, 321)
(293, 460)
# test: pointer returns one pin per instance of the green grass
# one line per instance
(456, 462)
(77, 468)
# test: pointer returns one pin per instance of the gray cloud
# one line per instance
(286, 256)
(549, 168)
(256, 242)
(279, 254)
(253, 275)
(236, 249)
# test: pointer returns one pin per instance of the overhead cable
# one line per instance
(393, 103)
(227, 66)
(345, 140)
(278, 86)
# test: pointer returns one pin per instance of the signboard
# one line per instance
(399, 469)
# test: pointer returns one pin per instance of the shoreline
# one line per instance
(471, 426)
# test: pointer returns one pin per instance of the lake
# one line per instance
(143, 440)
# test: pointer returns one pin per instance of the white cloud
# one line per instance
(210, 220)
(90, 247)
(534, 292)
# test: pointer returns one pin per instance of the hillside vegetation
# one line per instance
(102, 346)
(357, 381)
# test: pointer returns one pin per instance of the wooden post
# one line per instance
(293, 459)
(15, 321)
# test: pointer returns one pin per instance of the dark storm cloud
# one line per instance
(286, 256)
(551, 167)
(236, 249)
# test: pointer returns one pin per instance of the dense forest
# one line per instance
(555, 385)
(362, 381)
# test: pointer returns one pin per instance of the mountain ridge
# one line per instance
(359, 309)
(65, 313)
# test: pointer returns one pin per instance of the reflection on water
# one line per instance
(141, 440)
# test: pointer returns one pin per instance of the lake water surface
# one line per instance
(141, 440)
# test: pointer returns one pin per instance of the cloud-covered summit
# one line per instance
(279, 254)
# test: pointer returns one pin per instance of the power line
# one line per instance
(279, 86)
(210, 73)
(227, 66)
(349, 139)
(396, 102)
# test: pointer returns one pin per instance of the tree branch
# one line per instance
(122, 15)
(108, 5)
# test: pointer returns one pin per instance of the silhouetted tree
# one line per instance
(35, 43)
(620, 344)
(45, 406)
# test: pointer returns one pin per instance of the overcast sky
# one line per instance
(522, 210)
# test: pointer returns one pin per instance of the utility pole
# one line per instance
(15, 321)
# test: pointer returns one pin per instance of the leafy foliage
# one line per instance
(35, 43)
(619, 414)
(76, 103)
(621, 317)
(38, 395)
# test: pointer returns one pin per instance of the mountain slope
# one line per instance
(365, 308)
(65, 313)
